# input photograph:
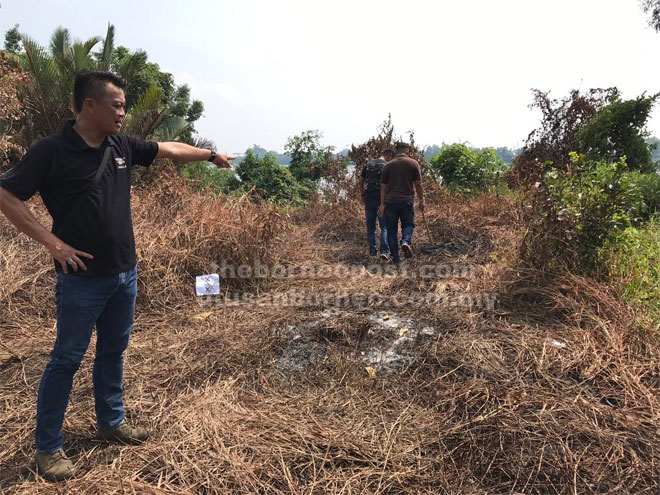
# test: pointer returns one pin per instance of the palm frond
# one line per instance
(60, 49)
(105, 57)
(60, 43)
(171, 127)
(202, 142)
(81, 55)
(46, 77)
(132, 65)
(146, 114)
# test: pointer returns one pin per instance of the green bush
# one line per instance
(270, 180)
(208, 176)
(589, 204)
(633, 267)
(648, 186)
(617, 131)
(466, 170)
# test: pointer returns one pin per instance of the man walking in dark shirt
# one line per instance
(370, 190)
(83, 177)
(401, 177)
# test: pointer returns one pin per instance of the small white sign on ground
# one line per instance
(208, 285)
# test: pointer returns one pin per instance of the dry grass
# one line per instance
(493, 403)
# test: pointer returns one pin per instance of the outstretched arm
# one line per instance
(184, 153)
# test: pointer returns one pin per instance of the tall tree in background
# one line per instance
(652, 7)
(13, 40)
(310, 161)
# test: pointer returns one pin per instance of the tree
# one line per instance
(652, 8)
(557, 137)
(308, 157)
(271, 180)
(385, 139)
(431, 151)
(617, 131)
(13, 40)
(466, 170)
(156, 107)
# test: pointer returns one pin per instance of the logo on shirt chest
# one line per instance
(120, 162)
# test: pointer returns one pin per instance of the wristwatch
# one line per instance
(213, 155)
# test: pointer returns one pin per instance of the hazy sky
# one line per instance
(449, 70)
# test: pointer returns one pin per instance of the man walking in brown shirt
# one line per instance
(401, 178)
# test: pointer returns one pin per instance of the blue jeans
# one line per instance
(82, 303)
(393, 213)
(371, 212)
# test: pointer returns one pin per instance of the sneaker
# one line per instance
(407, 250)
(124, 434)
(55, 466)
(385, 256)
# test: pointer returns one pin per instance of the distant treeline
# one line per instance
(503, 153)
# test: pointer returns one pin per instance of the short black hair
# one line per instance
(91, 83)
(401, 146)
(388, 151)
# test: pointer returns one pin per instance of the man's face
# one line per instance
(109, 111)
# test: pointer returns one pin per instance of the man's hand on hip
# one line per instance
(68, 257)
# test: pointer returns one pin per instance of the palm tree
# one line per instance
(47, 95)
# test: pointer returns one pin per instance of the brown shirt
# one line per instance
(399, 175)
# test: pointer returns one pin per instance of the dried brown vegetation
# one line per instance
(11, 110)
(552, 391)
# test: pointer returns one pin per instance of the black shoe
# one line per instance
(373, 253)
(385, 256)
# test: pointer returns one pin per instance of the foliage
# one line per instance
(208, 177)
(652, 8)
(648, 188)
(633, 267)
(13, 40)
(503, 153)
(617, 130)
(156, 107)
(557, 137)
(282, 158)
(466, 170)
(580, 209)
(269, 179)
(309, 159)
(654, 148)
(386, 138)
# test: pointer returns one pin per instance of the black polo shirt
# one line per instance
(61, 168)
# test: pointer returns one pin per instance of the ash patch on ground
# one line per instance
(384, 341)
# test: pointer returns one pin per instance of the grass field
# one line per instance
(551, 390)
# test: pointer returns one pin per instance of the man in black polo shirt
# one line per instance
(83, 177)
